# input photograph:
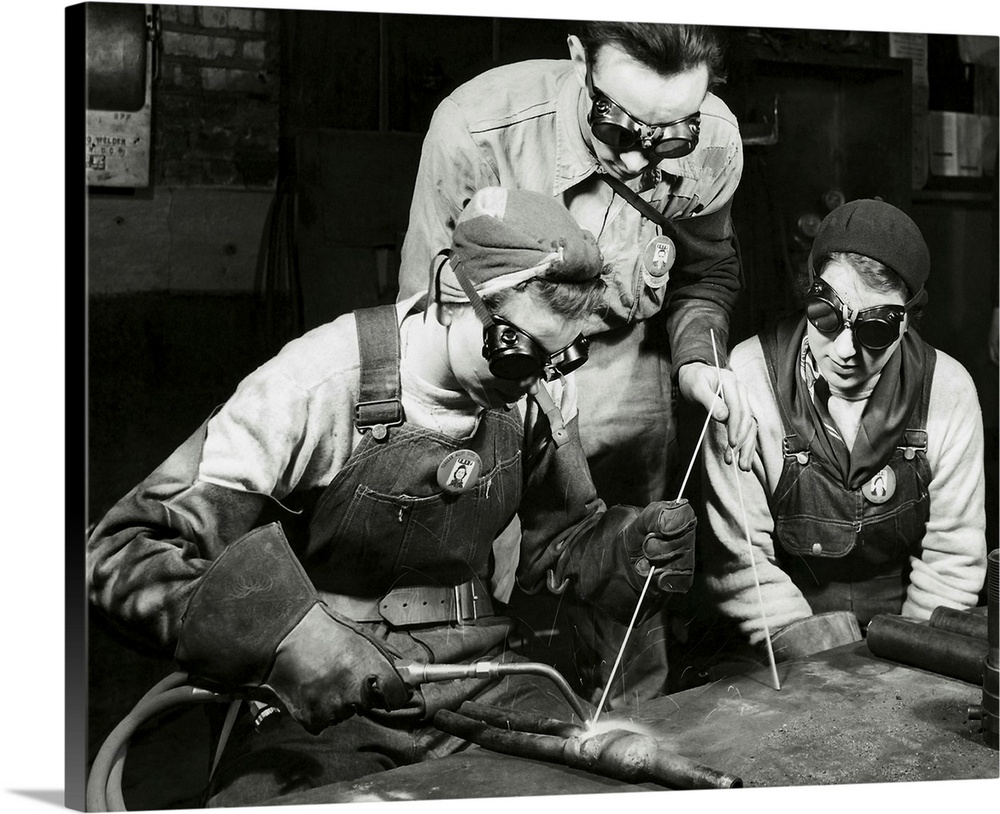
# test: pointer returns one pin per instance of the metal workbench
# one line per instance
(841, 717)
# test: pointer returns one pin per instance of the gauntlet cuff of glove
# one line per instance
(244, 605)
(814, 634)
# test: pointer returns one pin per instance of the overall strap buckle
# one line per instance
(377, 416)
(379, 404)
(792, 446)
(914, 441)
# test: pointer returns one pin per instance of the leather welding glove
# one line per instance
(667, 530)
(256, 624)
(612, 563)
(814, 634)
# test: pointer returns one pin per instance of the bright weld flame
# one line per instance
(594, 728)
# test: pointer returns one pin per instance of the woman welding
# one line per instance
(866, 493)
(366, 499)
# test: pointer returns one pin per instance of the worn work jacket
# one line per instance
(518, 126)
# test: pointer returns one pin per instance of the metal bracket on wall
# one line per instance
(761, 133)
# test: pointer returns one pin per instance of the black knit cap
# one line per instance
(876, 229)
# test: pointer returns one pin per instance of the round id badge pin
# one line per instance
(881, 487)
(459, 471)
(657, 259)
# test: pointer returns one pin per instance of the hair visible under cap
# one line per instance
(666, 49)
(569, 299)
(873, 273)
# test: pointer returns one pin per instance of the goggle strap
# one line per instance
(435, 272)
(557, 427)
(918, 300)
(478, 305)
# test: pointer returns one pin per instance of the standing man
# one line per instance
(628, 137)
(631, 107)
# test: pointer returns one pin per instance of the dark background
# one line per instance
(284, 148)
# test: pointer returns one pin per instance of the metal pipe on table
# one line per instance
(991, 664)
(630, 757)
(916, 643)
(960, 621)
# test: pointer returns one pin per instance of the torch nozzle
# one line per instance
(416, 673)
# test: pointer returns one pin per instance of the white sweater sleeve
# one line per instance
(289, 425)
(952, 563)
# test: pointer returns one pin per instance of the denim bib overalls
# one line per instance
(391, 548)
(849, 549)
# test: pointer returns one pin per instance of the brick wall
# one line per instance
(215, 161)
(216, 100)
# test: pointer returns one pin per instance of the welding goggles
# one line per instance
(613, 125)
(873, 328)
(514, 354)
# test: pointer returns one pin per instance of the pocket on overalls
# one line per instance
(498, 495)
(402, 532)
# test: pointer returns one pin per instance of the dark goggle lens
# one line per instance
(514, 366)
(621, 139)
(674, 147)
(571, 357)
(823, 316)
(876, 333)
(614, 135)
(514, 355)
(511, 353)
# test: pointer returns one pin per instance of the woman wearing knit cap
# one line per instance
(866, 493)
(369, 496)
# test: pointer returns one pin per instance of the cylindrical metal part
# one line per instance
(522, 721)
(638, 758)
(993, 606)
(991, 664)
(505, 741)
(990, 707)
(918, 644)
(624, 756)
(960, 621)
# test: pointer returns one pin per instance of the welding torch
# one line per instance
(415, 673)
(627, 756)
